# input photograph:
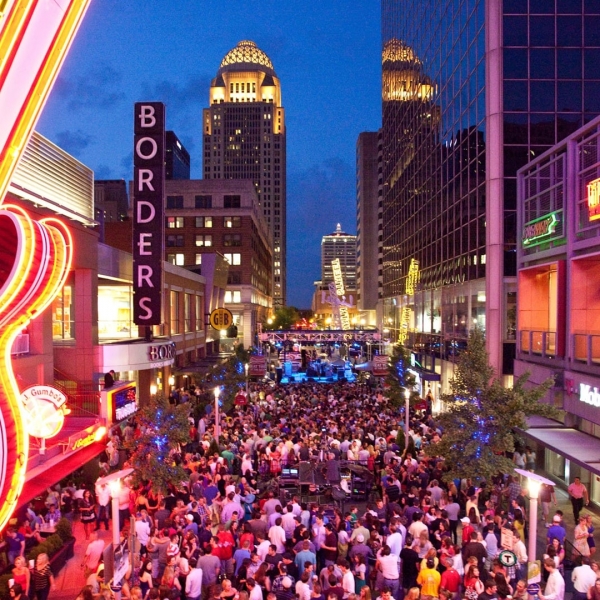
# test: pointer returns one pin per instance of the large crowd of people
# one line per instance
(229, 533)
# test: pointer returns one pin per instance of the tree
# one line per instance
(399, 378)
(165, 427)
(284, 318)
(478, 428)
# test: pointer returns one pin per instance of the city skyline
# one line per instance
(328, 60)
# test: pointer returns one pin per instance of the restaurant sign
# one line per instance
(539, 230)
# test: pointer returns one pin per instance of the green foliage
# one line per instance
(64, 529)
(284, 318)
(165, 426)
(398, 378)
(478, 425)
(400, 438)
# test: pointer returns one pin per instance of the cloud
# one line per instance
(74, 142)
(98, 88)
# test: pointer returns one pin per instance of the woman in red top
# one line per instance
(21, 574)
(467, 529)
(473, 585)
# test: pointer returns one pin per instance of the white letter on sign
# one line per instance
(145, 176)
(143, 244)
(138, 148)
(147, 118)
(142, 305)
(145, 273)
(140, 205)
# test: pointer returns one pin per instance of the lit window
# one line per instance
(204, 222)
(174, 222)
(233, 259)
(198, 259)
(176, 259)
(204, 240)
(234, 297)
(231, 222)
(174, 299)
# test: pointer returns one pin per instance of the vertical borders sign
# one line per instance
(148, 211)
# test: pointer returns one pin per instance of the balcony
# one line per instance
(538, 343)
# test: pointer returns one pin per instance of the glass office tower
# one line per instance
(508, 79)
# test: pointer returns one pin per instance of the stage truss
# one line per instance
(319, 337)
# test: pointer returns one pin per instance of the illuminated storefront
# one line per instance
(558, 311)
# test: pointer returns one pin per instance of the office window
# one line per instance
(199, 313)
(203, 201)
(232, 222)
(175, 241)
(174, 201)
(198, 259)
(231, 201)
(176, 259)
(204, 222)
(204, 240)
(174, 308)
(234, 297)
(234, 278)
(232, 239)
(233, 259)
(174, 222)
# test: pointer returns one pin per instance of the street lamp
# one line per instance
(534, 482)
(246, 367)
(217, 392)
(406, 411)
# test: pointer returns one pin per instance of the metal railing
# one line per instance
(539, 343)
(83, 397)
(586, 348)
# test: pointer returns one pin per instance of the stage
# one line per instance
(343, 377)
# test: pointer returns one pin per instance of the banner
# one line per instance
(258, 366)
(380, 363)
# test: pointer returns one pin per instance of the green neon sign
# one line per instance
(539, 230)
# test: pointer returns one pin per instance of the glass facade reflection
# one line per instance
(450, 154)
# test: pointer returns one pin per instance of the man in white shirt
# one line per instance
(583, 579)
(347, 578)
(262, 549)
(277, 536)
(417, 526)
(288, 522)
(555, 587)
(142, 531)
(193, 581)
(254, 589)
(395, 541)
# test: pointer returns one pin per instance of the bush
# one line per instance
(54, 543)
(64, 529)
(37, 550)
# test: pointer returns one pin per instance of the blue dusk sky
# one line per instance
(326, 54)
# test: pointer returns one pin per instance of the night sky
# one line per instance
(326, 54)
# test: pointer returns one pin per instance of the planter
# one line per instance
(59, 559)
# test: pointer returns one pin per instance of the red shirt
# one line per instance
(224, 549)
(450, 580)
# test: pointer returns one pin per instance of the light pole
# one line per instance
(217, 392)
(534, 483)
(406, 412)
(246, 367)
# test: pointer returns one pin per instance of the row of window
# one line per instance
(205, 201)
(203, 222)
(179, 258)
(193, 310)
(229, 239)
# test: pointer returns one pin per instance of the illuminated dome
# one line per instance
(396, 51)
(246, 55)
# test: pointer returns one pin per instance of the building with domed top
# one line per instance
(244, 138)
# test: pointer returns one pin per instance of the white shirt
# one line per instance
(583, 578)
(256, 593)
(348, 583)
(142, 530)
(389, 566)
(394, 541)
(303, 590)
(277, 537)
(416, 528)
(263, 549)
(193, 583)
(555, 588)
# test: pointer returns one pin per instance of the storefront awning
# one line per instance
(578, 447)
(39, 483)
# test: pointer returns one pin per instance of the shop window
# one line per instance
(233, 259)
(115, 313)
(174, 312)
(63, 325)
(231, 222)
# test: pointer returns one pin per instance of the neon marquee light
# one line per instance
(35, 36)
(539, 230)
(593, 192)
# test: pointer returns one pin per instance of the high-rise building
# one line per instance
(110, 200)
(472, 90)
(244, 138)
(368, 207)
(177, 158)
(341, 246)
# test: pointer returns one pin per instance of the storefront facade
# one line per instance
(558, 310)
